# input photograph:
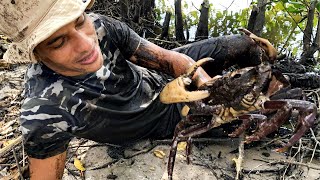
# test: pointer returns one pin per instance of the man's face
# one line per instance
(72, 50)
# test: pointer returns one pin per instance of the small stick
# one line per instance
(17, 162)
(298, 151)
(10, 146)
(239, 160)
(315, 147)
(316, 167)
(23, 156)
(198, 140)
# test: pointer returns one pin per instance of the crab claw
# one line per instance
(175, 91)
(263, 43)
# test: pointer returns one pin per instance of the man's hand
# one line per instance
(50, 168)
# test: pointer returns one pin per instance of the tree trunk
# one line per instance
(202, 30)
(257, 18)
(178, 21)
(147, 9)
(165, 27)
(137, 12)
(308, 51)
(187, 29)
(124, 10)
(253, 18)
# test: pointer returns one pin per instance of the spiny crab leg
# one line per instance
(274, 123)
(307, 116)
(185, 135)
(247, 120)
(307, 111)
(175, 91)
(263, 43)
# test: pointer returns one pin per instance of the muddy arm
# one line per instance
(226, 50)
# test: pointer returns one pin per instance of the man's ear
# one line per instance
(37, 55)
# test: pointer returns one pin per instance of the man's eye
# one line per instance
(58, 43)
(81, 20)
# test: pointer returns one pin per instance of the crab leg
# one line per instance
(274, 123)
(307, 116)
(295, 93)
(186, 134)
(182, 136)
(246, 122)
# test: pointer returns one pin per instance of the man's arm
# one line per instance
(50, 168)
(152, 56)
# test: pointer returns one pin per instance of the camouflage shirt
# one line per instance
(117, 104)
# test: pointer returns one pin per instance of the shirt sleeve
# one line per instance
(123, 36)
(45, 128)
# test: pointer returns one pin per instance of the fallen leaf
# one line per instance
(78, 164)
(158, 153)
(182, 146)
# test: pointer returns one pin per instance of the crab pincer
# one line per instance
(176, 90)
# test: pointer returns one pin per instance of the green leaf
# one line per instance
(194, 14)
(292, 9)
(318, 6)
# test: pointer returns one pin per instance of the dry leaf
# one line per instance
(158, 153)
(78, 164)
(182, 146)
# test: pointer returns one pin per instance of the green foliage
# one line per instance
(285, 21)
(227, 22)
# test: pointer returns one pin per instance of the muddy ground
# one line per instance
(209, 160)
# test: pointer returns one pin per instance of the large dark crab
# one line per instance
(245, 94)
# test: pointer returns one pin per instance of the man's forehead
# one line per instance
(60, 32)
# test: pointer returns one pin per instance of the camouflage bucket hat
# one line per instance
(29, 22)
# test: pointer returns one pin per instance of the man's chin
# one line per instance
(95, 66)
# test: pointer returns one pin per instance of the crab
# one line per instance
(245, 94)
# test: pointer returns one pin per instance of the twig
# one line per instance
(71, 156)
(308, 149)
(17, 162)
(198, 140)
(299, 149)
(316, 167)
(315, 146)
(277, 170)
(23, 156)
(103, 165)
(311, 166)
(146, 150)
(239, 160)
(195, 6)
(4, 128)
(96, 145)
(6, 164)
(10, 146)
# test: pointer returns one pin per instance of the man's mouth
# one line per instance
(90, 58)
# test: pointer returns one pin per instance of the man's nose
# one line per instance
(82, 42)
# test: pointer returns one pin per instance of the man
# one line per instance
(80, 84)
